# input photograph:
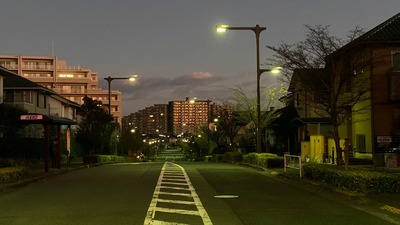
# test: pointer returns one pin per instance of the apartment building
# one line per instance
(176, 117)
(71, 82)
(150, 120)
(186, 117)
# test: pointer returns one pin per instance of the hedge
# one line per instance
(267, 160)
(22, 148)
(13, 174)
(358, 180)
(93, 159)
(233, 156)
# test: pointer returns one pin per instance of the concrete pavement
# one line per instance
(389, 202)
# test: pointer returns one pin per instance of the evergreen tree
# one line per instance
(95, 128)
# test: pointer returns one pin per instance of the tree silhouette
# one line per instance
(338, 78)
(95, 128)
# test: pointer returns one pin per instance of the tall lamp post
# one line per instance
(257, 30)
(109, 79)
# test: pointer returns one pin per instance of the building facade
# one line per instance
(175, 118)
(71, 82)
(368, 70)
(150, 120)
(186, 117)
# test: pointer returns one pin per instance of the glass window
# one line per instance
(361, 142)
(396, 61)
(41, 101)
(28, 97)
(395, 87)
(8, 96)
(66, 75)
(18, 96)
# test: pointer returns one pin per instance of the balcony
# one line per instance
(38, 67)
(9, 67)
(69, 68)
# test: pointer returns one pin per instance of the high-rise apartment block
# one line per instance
(186, 117)
(71, 82)
(151, 120)
(176, 117)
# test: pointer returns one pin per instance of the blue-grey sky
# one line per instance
(171, 44)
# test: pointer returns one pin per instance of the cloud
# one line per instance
(201, 75)
(149, 90)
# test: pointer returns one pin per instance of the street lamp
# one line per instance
(257, 30)
(109, 79)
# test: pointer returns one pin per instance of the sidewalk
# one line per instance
(36, 172)
(388, 202)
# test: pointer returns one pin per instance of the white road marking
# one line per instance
(174, 177)
(226, 196)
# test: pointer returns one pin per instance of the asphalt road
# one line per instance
(185, 193)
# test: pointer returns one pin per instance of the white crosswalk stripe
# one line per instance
(175, 195)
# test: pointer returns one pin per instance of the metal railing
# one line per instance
(293, 162)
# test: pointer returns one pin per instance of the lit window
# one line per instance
(66, 75)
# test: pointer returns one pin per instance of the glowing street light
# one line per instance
(109, 79)
(257, 30)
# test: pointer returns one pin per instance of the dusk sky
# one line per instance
(171, 44)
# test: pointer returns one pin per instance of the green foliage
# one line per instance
(9, 116)
(95, 129)
(21, 148)
(277, 162)
(285, 130)
(13, 174)
(353, 179)
(233, 156)
(217, 157)
(266, 160)
(93, 159)
(131, 143)
(245, 105)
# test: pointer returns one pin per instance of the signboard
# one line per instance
(31, 117)
(387, 144)
(384, 139)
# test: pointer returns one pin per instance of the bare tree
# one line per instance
(245, 106)
(311, 52)
(342, 86)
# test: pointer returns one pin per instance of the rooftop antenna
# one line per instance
(52, 48)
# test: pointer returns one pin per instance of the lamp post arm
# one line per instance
(257, 29)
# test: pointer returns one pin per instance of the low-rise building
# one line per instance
(48, 116)
(71, 82)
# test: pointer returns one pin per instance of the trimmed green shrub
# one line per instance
(233, 156)
(13, 174)
(275, 162)
(90, 159)
(207, 158)
(266, 160)
(6, 163)
(353, 179)
(217, 157)
(22, 148)
(93, 159)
